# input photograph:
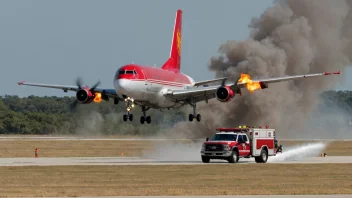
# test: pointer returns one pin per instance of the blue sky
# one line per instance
(56, 41)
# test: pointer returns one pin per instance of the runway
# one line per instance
(63, 161)
(76, 138)
(36, 138)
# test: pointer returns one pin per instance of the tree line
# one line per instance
(51, 115)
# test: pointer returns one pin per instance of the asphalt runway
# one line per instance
(5, 138)
(73, 138)
(61, 161)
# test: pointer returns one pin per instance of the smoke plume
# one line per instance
(292, 37)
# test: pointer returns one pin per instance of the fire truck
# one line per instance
(243, 142)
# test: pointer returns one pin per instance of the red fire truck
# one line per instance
(243, 142)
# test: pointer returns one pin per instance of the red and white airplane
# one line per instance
(165, 87)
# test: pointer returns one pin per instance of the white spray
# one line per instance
(299, 152)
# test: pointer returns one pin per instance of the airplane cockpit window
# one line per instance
(131, 72)
(126, 71)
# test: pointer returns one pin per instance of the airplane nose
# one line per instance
(121, 84)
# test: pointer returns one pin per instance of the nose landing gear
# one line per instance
(129, 106)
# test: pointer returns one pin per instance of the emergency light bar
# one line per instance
(243, 127)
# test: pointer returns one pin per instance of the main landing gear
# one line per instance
(148, 119)
(194, 115)
(130, 105)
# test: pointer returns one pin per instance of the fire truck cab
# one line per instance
(243, 142)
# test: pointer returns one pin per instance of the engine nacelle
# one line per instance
(84, 96)
(224, 94)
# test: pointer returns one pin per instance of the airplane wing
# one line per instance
(204, 93)
(108, 92)
(208, 81)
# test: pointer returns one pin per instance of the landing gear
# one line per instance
(127, 117)
(194, 115)
(129, 105)
(148, 119)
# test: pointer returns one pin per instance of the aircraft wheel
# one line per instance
(190, 117)
(198, 117)
(142, 120)
(149, 119)
(125, 117)
(131, 117)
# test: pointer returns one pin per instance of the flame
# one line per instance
(251, 86)
(97, 97)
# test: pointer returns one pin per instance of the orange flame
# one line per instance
(97, 97)
(251, 86)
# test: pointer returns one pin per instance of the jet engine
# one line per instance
(224, 93)
(84, 96)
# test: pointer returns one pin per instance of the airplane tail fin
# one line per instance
(174, 61)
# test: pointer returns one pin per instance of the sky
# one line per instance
(56, 41)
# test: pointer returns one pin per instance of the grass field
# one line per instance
(176, 180)
(106, 148)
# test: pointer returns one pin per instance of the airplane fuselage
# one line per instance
(148, 84)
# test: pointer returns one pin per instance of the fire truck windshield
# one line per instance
(224, 137)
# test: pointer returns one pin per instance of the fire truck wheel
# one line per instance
(263, 157)
(234, 157)
(205, 159)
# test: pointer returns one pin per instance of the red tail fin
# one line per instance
(174, 61)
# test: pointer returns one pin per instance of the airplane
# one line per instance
(166, 87)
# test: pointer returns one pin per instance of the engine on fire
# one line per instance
(224, 94)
